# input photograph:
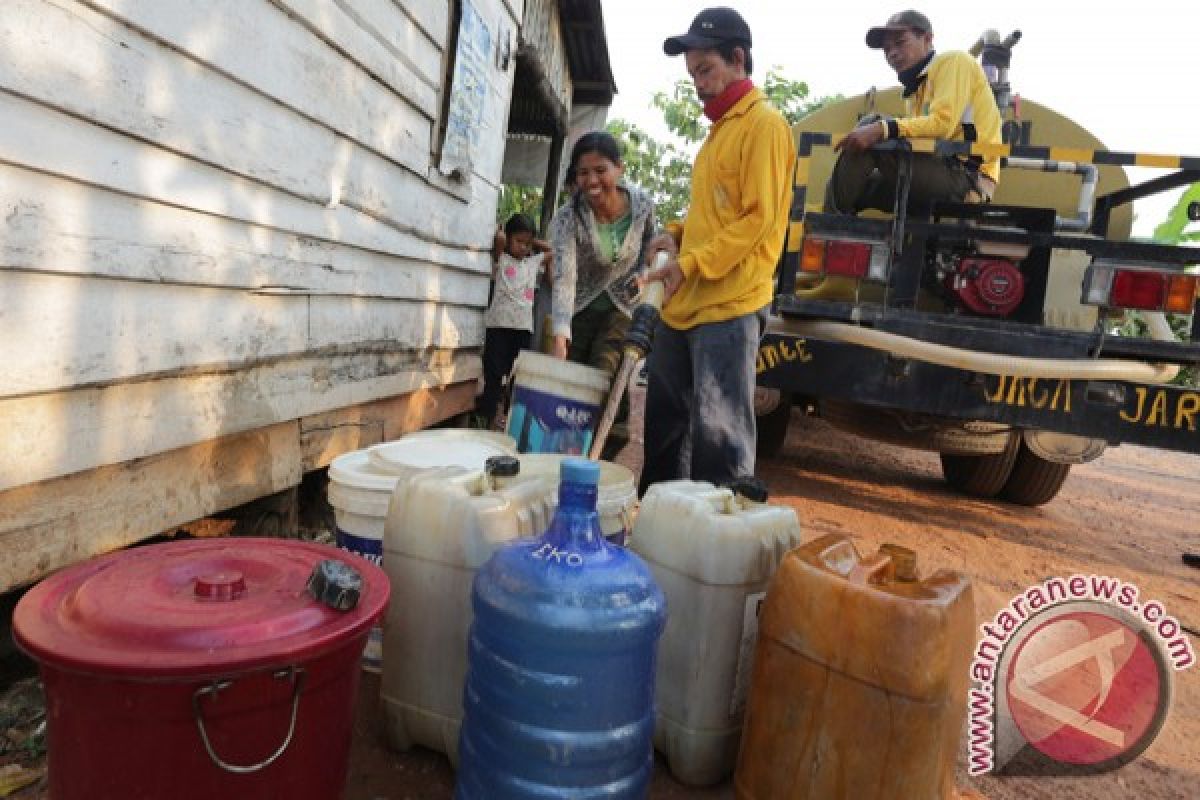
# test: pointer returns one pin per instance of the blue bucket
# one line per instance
(555, 404)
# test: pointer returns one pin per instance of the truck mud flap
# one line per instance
(1166, 417)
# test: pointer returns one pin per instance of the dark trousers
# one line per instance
(699, 420)
(500, 348)
(598, 340)
(598, 335)
(852, 189)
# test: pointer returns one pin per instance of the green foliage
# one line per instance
(661, 168)
(664, 168)
(1172, 230)
(682, 111)
(1134, 324)
(791, 97)
(518, 200)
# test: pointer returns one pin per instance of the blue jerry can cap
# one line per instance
(580, 470)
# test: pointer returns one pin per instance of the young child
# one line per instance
(509, 317)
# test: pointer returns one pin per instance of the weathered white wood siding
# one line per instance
(223, 217)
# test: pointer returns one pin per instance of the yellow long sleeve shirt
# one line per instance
(955, 91)
(737, 216)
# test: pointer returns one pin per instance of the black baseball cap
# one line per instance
(903, 21)
(711, 27)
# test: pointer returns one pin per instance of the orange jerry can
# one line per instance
(859, 689)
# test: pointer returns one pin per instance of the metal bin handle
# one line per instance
(296, 675)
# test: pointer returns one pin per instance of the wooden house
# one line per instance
(241, 237)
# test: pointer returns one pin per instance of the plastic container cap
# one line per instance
(502, 466)
(750, 488)
(336, 584)
(580, 470)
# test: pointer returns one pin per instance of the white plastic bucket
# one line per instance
(440, 447)
(616, 498)
(361, 484)
(555, 404)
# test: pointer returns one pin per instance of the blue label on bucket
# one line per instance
(548, 423)
(370, 549)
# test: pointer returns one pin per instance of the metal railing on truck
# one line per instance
(795, 359)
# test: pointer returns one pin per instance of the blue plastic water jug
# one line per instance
(559, 699)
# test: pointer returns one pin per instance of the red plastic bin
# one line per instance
(198, 669)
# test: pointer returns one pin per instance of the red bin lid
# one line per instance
(195, 608)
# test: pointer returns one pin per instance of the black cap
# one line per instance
(711, 27)
(750, 488)
(903, 21)
(502, 466)
(336, 584)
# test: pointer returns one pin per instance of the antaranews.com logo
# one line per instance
(1073, 676)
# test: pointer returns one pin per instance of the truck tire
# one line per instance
(772, 429)
(1034, 480)
(981, 476)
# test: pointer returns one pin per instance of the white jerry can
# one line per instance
(362, 482)
(713, 552)
(443, 525)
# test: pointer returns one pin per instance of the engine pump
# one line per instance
(986, 285)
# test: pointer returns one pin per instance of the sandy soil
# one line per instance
(1129, 515)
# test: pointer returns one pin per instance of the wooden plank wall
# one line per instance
(222, 231)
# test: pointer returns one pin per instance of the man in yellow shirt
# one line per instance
(699, 420)
(947, 96)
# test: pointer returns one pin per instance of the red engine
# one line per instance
(993, 287)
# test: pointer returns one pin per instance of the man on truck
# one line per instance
(948, 97)
(699, 420)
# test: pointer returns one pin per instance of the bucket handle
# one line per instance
(296, 675)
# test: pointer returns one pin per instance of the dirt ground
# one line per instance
(1129, 515)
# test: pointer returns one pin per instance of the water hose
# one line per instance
(1106, 369)
(635, 348)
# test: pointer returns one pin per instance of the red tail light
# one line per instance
(1140, 288)
(848, 258)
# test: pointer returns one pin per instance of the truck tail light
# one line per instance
(1139, 288)
(812, 256)
(847, 258)
(1181, 294)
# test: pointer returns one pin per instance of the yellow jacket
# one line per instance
(737, 216)
(955, 91)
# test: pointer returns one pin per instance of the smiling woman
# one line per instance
(599, 238)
